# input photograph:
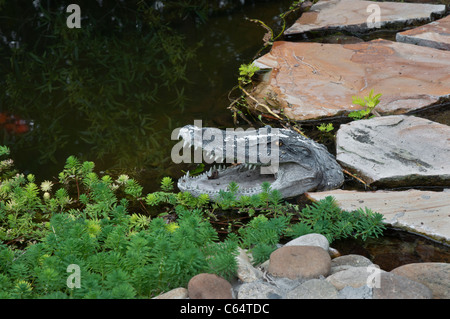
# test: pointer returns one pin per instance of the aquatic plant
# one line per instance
(104, 225)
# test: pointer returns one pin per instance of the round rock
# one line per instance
(353, 277)
(313, 289)
(310, 240)
(295, 262)
(177, 293)
(209, 286)
(435, 276)
(348, 261)
(393, 286)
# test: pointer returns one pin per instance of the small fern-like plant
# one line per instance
(368, 103)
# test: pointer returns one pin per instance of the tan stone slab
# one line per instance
(353, 15)
(423, 212)
(434, 35)
(315, 80)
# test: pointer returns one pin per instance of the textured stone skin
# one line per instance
(302, 164)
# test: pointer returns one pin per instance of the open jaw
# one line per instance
(247, 176)
(249, 179)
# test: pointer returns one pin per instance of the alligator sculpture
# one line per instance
(296, 163)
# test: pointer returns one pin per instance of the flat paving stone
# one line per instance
(435, 35)
(318, 80)
(396, 150)
(423, 212)
(355, 16)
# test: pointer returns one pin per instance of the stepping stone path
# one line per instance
(434, 35)
(344, 277)
(396, 150)
(316, 80)
(423, 212)
(353, 16)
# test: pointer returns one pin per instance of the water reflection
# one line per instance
(114, 90)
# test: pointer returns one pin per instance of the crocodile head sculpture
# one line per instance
(290, 162)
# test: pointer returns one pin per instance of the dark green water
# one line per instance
(103, 131)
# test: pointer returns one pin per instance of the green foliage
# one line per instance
(116, 262)
(325, 128)
(101, 224)
(326, 218)
(368, 103)
(261, 235)
(246, 72)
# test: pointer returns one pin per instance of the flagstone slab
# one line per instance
(356, 16)
(396, 150)
(317, 80)
(435, 35)
(423, 212)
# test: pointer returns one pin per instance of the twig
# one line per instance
(355, 177)
(260, 104)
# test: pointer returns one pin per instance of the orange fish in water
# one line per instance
(13, 124)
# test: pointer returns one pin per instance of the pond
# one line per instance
(61, 121)
(113, 94)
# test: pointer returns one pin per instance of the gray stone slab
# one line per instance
(355, 15)
(435, 35)
(397, 150)
(422, 212)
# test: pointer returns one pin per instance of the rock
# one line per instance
(434, 35)
(347, 261)
(354, 277)
(209, 286)
(313, 289)
(258, 290)
(436, 276)
(354, 16)
(396, 150)
(318, 80)
(264, 266)
(333, 252)
(318, 240)
(246, 272)
(177, 293)
(299, 262)
(351, 260)
(393, 286)
(424, 212)
(363, 292)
